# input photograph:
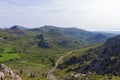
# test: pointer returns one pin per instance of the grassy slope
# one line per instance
(79, 52)
(61, 73)
(31, 58)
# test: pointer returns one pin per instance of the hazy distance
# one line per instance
(100, 15)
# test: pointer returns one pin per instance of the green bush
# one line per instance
(1, 50)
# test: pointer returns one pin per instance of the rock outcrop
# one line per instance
(7, 74)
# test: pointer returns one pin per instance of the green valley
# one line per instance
(32, 53)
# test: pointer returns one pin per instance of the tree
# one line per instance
(42, 43)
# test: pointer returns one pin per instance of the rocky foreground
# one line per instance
(7, 74)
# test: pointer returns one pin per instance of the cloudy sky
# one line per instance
(85, 14)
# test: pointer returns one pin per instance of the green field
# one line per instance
(7, 57)
(8, 54)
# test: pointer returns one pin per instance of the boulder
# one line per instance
(2, 75)
(6, 71)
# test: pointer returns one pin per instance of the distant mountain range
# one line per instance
(62, 36)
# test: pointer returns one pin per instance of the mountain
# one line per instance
(98, 38)
(35, 51)
(54, 36)
(101, 59)
(111, 47)
(76, 32)
(79, 35)
(17, 27)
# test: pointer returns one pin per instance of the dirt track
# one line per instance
(50, 75)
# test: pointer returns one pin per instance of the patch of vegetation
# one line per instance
(1, 50)
(42, 43)
(7, 57)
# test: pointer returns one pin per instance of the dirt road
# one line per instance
(50, 75)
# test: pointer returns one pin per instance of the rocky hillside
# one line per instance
(104, 59)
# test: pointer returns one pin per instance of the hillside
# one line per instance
(73, 35)
(54, 36)
(101, 59)
(36, 50)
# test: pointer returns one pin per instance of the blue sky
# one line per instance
(85, 14)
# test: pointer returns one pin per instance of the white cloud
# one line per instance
(88, 14)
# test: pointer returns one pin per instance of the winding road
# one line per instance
(50, 75)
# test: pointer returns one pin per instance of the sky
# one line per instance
(100, 15)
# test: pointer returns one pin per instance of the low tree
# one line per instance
(42, 43)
